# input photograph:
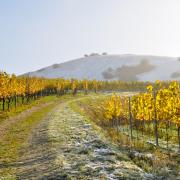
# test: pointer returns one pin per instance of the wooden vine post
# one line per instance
(130, 118)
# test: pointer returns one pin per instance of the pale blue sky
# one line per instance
(38, 33)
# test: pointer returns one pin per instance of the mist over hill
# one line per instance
(115, 67)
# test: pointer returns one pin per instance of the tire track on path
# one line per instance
(65, 146)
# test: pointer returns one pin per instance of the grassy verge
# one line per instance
(16, 137)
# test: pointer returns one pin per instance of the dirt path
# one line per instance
(37, 158)
(64, 146)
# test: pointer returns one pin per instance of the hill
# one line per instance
(115, 67)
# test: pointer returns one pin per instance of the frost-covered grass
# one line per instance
(82, 151)
(162, 161)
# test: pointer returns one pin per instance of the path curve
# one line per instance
(65, 146)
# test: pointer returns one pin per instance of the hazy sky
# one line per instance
(37, 33)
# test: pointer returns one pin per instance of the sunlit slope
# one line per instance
(115, 67)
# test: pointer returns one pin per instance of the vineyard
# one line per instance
(139, 116)
(159, 107)
(19, 90)
(155, 113)
(148, 112)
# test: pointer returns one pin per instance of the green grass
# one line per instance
(15, 138)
